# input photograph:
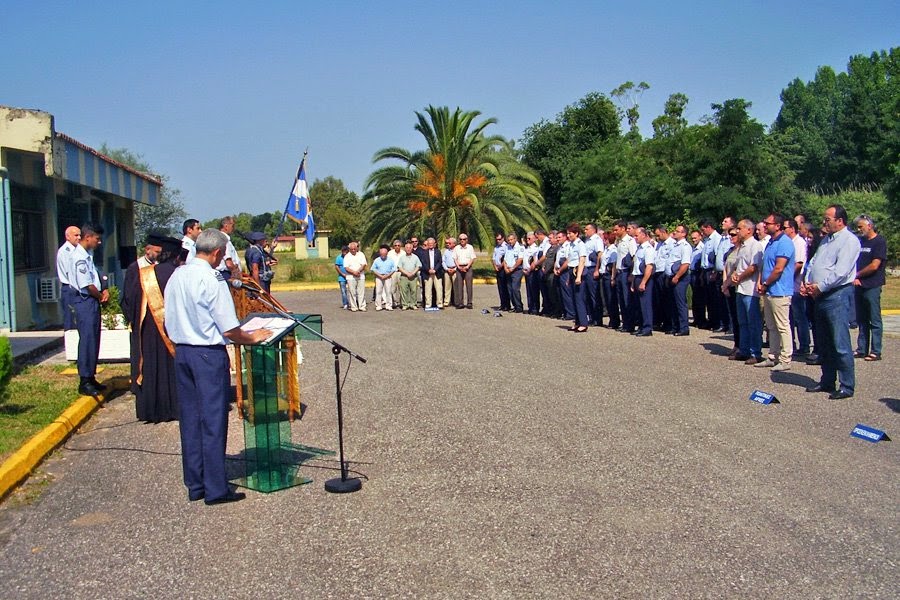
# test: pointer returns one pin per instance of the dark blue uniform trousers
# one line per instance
(646, 301)
(567, 293)
(579, 292)
(67, 297)
(612, 300)
(514, 289)
(591, 291)
(626, 301)
(204, 385)
(503, 289)
(680, 317)
(87, 321)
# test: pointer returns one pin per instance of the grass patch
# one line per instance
(35, 397)
(890, 295)
(321, 270)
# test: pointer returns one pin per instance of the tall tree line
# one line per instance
(836, 138)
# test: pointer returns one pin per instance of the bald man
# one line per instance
(63, 272)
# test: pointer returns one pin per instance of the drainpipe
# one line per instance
(7, 269)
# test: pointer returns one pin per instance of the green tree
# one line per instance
(629, 95)
(168, 213)
(465, 181)
(338, 209)
(553, 148)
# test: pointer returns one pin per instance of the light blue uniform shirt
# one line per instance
(544, 246)
(562, 254)
(499, 252)
(722, 249)
(576, 250)
(663, 255)
(84, 272)
(64, 263)
(780, 247)
(834, 263)
(594, 246)
(627, 245)
(644, 256)
(513, 254)
(696, 255)
(531, 253)
(708, 257)
(681, 254)
(199, 308)
(607, 258)
(384, 266)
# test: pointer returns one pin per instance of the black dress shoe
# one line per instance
(840, 395)
(681, 333)
(98, 385)
(193, 497)
(229, 497)
(643, 334)
(87, 389)
(819, 388)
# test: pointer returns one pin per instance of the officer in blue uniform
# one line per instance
(679, 267)
(512, 264)
(86, 299)
(200, 318)
(591, 281)
(578, 275)
(642, 284)
(502, 277)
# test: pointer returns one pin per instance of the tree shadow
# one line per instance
(12, 409)
(891, 403)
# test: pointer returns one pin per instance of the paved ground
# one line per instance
(505, 458)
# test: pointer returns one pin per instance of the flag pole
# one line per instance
(284, 214)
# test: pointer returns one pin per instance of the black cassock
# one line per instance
(155, 398)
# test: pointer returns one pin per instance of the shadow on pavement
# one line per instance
(891, 403)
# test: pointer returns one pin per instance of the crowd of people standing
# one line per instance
(801, 285)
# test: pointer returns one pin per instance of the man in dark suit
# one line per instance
(432, 275)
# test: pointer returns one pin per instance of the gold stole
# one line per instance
(153, 300)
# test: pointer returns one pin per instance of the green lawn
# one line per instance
(890, 295)
(36, 396)
(321, 270)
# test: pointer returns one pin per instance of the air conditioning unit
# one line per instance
(47, 289)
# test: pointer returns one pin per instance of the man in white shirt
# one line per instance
(355, 264)
(64, 273)
(464, 255)
(230, 266)
(191, 230)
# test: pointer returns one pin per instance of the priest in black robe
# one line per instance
(152, 366)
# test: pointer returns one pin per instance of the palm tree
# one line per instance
(465, 182)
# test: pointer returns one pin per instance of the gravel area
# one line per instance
(503, 458)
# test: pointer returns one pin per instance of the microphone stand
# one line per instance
(342, 484)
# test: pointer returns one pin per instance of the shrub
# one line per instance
(110, 310)
(6, 365)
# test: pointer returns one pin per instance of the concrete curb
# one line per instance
(23, 461)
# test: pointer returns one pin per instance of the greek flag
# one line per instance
(298, 206)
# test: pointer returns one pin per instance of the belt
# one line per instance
(209, 347)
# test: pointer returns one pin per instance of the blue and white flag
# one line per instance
(298, 206)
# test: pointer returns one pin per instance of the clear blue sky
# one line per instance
(224, 96)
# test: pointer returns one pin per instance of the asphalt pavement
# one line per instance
(502, 458)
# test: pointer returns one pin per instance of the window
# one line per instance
(28, 236)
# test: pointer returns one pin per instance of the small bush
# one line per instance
(6, 365)
(112, 308)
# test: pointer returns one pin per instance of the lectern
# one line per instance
(269, 402)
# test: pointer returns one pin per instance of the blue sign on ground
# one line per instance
(870, 434)
(762, 397)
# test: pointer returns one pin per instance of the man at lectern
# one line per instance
(200, 318)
